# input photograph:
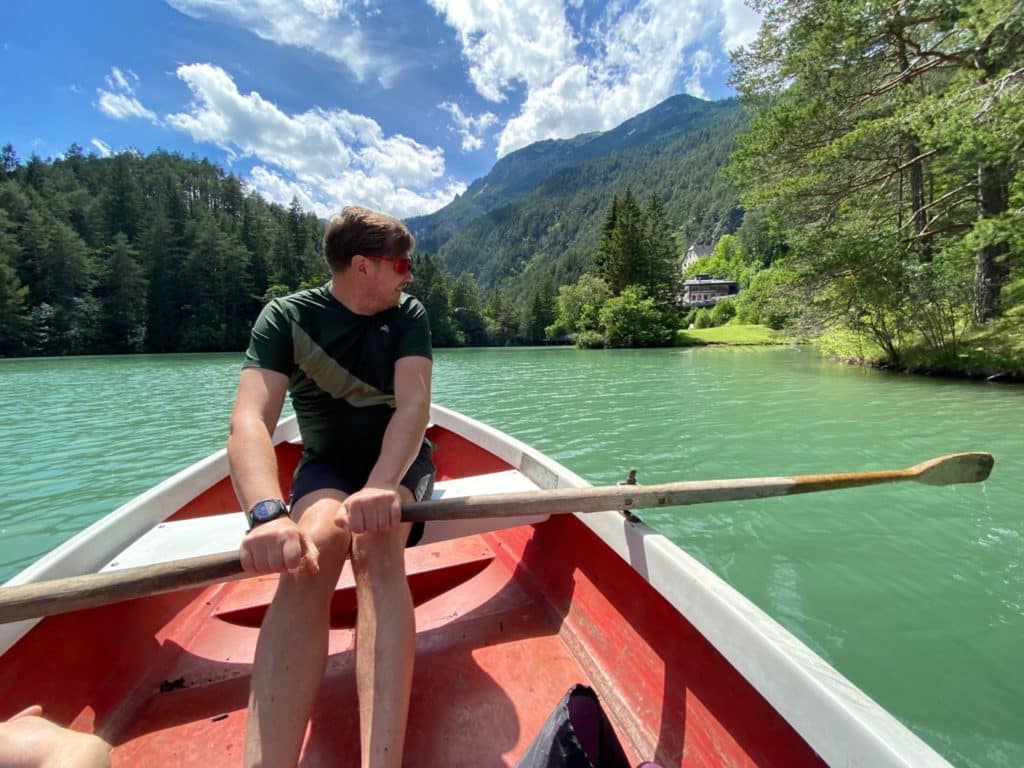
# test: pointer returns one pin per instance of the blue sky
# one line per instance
(394, 105)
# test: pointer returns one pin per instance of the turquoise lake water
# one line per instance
(915, 593)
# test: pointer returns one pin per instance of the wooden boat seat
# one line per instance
(211, 534)
(431, 570)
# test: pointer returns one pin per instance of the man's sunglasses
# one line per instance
(401, 264)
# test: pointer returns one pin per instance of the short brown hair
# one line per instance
(361, 231)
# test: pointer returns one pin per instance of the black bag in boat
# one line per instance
(576, 735)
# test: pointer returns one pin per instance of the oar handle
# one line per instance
(61, 595)
(45, 598)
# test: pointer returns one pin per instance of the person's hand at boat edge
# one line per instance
(372, 508)
(29, 740)
(276, 547)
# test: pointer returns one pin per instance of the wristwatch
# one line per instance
(265, 511)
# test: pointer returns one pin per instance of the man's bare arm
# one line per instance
(251, 454)
(278, 545)
(404, 434)
(377, 505)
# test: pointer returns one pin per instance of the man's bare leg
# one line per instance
(385, 642)
(291, 653)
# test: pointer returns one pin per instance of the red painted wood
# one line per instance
(83, 666)
(431, 571)
(681, 702)
(455, 457)
(221, 497)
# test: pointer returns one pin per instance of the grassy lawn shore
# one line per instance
(733, 335)
(995, 352)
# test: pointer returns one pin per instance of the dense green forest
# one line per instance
(162, 253)
(630, 299)
(137, 253)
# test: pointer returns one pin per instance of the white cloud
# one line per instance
(325, 26)
(741, 24)
(120, 101)
(102, 147)
(118, 81)
(273, 186)
(701, 63)
(630, 60)
(528, 41)
(325, 158)
(640, 53)
(470, 128)
(568, 67)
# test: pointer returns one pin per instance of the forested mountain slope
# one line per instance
(545, 203)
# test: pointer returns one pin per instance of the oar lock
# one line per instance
(630, 480)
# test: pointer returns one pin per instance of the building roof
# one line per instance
(705, 280)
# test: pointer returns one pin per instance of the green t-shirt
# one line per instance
(341, 368)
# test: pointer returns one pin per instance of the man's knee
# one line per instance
(380, 554)
(315, 515)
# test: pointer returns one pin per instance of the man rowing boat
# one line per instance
(355, 356)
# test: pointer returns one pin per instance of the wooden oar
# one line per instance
(61, 595)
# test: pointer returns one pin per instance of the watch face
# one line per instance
(265, 511)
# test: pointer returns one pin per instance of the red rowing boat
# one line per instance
(510, 614)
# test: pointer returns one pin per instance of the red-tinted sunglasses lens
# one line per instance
(400, 265)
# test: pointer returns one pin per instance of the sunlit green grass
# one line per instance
(995, 350)
(730, 334)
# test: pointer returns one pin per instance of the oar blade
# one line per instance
(955, 468)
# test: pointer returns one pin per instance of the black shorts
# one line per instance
(317, 473)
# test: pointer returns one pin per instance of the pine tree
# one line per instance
(624, 261)
(8, 159)
(663, 276)
(606, 260)
(13, 295)
(466, 310)
(539, 314)
(122, 200)
(432, 286)
(123, 290)
(632, 233)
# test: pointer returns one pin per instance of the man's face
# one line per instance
(391, 276)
